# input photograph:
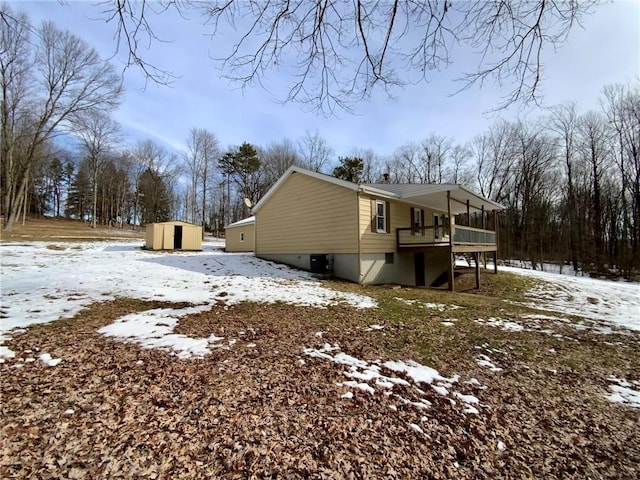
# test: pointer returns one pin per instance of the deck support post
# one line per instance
(495, 229)
(477, 258)
(484, 227)
(451, 272)
(452, 258)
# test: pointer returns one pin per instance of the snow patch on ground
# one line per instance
(154, 329)
(540, 323)
(40, 285)
(371, 328)
(501, 323)
(614, 302)
(484, 361)
(441, 307)
(48, 360)
(5, 352)
(624, 391)
(369, 378)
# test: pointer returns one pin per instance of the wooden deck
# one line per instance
(465, 239)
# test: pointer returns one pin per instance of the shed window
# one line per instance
(242, 236)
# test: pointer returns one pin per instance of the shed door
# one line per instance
(177, 237)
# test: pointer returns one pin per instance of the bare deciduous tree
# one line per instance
(596, 155)
(564, 124)
(493, 156)
(97, 133)
(622, 108)
(203, 149)
(49, 78)
(458, 169)
(276, 158)
(434, 155)
(315, 152)
(156, 175)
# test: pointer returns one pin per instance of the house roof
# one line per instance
(433, 196)
(244, 221)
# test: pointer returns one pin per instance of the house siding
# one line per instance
(308, 216)
(400, 217)
(375, 270)
(345, 265)
(373, 246)
(232, 241)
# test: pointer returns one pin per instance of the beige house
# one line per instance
(173, 236)
(373, 233)
(240, 236)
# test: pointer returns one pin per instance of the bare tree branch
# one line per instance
(338, 53)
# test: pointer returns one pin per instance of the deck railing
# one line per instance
(422, 236)
(436, 236)
(473, 235)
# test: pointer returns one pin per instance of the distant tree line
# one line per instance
(569, 180)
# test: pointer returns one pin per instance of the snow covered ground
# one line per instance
(608, 301)
(41, 284)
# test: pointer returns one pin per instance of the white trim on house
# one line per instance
(244, 221)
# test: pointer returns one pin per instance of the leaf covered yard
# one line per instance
(210, 365)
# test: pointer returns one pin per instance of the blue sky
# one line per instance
(606, 50)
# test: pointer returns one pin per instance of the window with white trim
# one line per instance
(242, 236)
(381, 216)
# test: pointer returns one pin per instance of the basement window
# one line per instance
(388, 258)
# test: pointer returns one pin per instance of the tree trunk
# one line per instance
(95, 197)
(15, 204)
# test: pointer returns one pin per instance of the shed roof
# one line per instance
(175, 222)
(244, 221)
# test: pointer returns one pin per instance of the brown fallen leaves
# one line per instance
(253, 409)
